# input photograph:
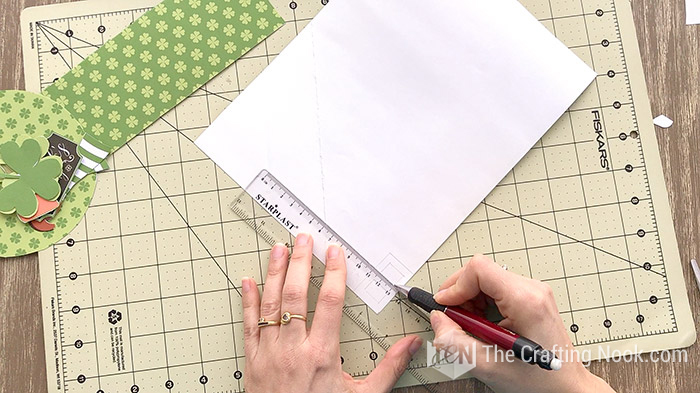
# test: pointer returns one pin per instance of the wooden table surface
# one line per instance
(671, 56)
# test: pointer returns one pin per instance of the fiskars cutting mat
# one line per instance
(140, 296)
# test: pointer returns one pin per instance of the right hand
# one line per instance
(528, 308)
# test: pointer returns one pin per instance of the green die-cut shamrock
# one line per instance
(33, 174)
(46, 118)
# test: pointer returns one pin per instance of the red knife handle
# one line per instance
(482, 328)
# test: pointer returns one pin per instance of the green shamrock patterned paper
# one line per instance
(158, 61)
(25, 115)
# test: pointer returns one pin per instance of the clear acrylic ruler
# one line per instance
(143, 294)
(281, 205)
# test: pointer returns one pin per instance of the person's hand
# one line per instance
(291, 358)
(530, 310)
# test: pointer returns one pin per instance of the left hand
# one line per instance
(293, 358)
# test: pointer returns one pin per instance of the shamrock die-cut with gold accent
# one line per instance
(30, 191)
(113, 95)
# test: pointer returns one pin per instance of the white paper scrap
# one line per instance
(663, 121)
(692, 12)
(393, 120)
(696, 270)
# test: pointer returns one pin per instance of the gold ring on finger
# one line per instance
(262, 322)
(287, 317)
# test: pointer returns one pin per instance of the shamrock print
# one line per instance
(178, 32)
(62, 222)
(128, 51)
(130, 104)
(132, 122)
(180, 44)
(129, 69)
(180, 67)
(71, 196)
(75, 212)
(11, 123)
(195, 20)
(60, 84)
(98, 130)
(97, 111)
(95, 94)
(79, 106)
(178, 14)
(146, 74)
(83, 187)
(181, 84)
(230, 47)
(146, 56)
(261, 6)
(148, 109)
(147, 92)
(115, 134)
(112, 81)
(114, 116)
(164, 79)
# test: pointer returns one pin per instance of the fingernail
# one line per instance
(245, 284)
(434, 319)
(415, 346)
(333, 251)
(278, 250)
(439, 293)
(302, 239)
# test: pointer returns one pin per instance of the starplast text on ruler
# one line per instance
(507, 227)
